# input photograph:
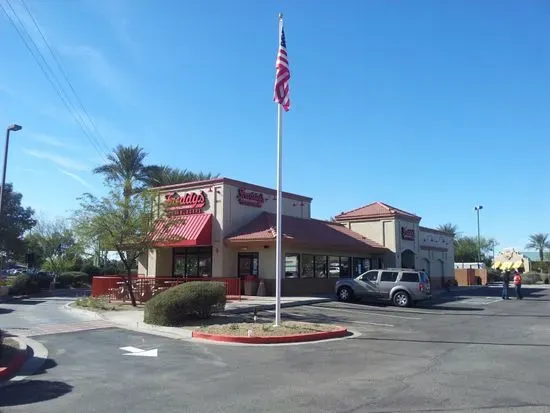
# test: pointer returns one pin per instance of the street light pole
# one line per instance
(477, 209)
(13, 128)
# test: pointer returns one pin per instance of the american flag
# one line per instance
(282, 77)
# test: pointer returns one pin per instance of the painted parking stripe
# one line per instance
(367, 313)
(371, 324)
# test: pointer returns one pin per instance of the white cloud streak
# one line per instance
(59, 160)
(77, 178)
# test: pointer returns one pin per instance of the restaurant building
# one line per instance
(224, 228)
(410, 245)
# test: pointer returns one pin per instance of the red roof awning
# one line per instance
(188, 231)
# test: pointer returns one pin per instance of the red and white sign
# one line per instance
(190, 203)
(407, 234)
(255, 199)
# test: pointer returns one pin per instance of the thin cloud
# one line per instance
(49, 140)
(98, 66)
(59, 160)
(77, 178)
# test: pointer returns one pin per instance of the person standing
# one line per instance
(505, 282)
(517, 284)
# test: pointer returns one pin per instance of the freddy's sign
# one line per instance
(190, 203)
(407, 234)
(255, 199)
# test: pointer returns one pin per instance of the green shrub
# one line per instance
(90, 269)
(198, 299)
(530, 277)
(72, 279)
(24, 284)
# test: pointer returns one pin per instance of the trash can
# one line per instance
(250, 285)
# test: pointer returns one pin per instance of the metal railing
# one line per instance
(144, 288)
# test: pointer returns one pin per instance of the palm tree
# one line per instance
(126, 167)
(539, 242)
(161, 175)
(449, 229)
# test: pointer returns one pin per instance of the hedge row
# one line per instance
(197, 299)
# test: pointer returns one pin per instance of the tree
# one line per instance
(161, 175)
(15, 220)
(54, 245)
(449, 229)
(126, 225)
(125, 167)
(466, 249)
(539, 242)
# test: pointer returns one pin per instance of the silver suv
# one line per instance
(402, 286)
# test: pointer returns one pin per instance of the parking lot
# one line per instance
(466, 351)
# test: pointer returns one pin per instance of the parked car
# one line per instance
(401, 286)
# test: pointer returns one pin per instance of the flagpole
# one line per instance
(278, 252)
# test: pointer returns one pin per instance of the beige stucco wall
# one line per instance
(438, 250)
(380, 231)
(236, 215)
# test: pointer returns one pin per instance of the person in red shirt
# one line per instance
(517, 284)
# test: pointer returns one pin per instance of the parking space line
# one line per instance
(372, 324)
(367, 313)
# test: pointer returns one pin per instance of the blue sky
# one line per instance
(430, 106)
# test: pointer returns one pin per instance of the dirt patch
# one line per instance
(10, 347)
(287, 328)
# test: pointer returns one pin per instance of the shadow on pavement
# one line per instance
(5, 310)
(23, 301)
(33, 391)
(421, 305)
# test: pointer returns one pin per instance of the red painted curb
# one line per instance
(297, 338)
(14, 365)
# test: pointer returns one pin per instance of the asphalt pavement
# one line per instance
(466, 351)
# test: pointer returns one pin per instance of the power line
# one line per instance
(62, 95)
(64, 73)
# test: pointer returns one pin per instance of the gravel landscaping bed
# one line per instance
(267, 329)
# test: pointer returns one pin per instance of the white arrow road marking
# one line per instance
(134, 351)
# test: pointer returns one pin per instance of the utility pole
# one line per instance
(477, 209)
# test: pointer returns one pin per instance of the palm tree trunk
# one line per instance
(541, 254)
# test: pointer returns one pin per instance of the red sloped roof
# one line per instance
(312, 233)
(187, 231)
(376, 210)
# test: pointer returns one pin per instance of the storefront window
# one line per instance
(360, 265)
(321, 266)
(307, 266)
(334, 267)
(192, 262)
(344, 266)
(248, 264)
(292, 265)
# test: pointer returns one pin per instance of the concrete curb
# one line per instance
(32, 365)
(15, 364)
(264, 307)
(296, 338)
(81, 311)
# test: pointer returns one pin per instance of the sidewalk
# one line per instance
(248, 303)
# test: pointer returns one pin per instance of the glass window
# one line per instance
(334, 267)
(370, 276)
(389, 276)
(292, 265)
(179, 265)
(321, 266)
(247, 264)
(360, 265)
(409, 277)
(307, 266)
(205, 266)
(192, 266)
(192, 262)
(345, 266)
